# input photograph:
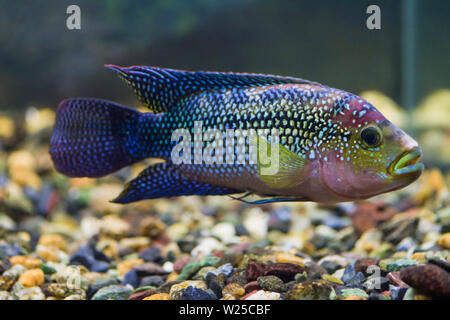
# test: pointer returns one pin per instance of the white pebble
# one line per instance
(264, 295)
(256, 223)
(225, 231)
(168, 266)
(339, 274)
(206, 246)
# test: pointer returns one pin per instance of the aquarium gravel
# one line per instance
(61, 238)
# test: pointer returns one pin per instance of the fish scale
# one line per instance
(308, 121)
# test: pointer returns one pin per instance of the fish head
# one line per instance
(368, 155)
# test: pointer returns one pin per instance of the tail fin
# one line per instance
(94, 137)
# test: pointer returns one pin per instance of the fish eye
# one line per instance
(371, 136)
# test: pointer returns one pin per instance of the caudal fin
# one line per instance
(93, 137)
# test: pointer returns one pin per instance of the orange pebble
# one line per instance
(172, 276)
(48, 253)
(53, 240)
(158, 296)
(355, 298)
(126, 265)
(32, 278)
(284, 257)
(27, 262)
(18, 260)
(444, 241)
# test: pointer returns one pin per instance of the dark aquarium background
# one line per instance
(61, 238)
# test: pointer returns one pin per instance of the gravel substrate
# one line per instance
(61, 238)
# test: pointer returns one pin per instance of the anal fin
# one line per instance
(163, 180)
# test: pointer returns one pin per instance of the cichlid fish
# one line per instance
(332, 145)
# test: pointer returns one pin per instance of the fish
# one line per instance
(328, 145)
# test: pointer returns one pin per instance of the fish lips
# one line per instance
(407, 164)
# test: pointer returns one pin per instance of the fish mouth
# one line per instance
(407, 163)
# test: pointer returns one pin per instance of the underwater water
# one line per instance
(62, 238)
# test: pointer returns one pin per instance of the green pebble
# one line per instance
(396, 265)
(300, 277)
(354, 292)
(47, 269)
(409, 294)
(271, 283)
(112, 292)
(310, 290)
(260, 244)
(201, 273)
(105, 281)
(143, 288)
(385, 250)
(192, 267)
(85, 196)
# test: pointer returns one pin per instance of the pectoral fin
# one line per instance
(284, 171)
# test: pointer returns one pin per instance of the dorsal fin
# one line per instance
(159, 88)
